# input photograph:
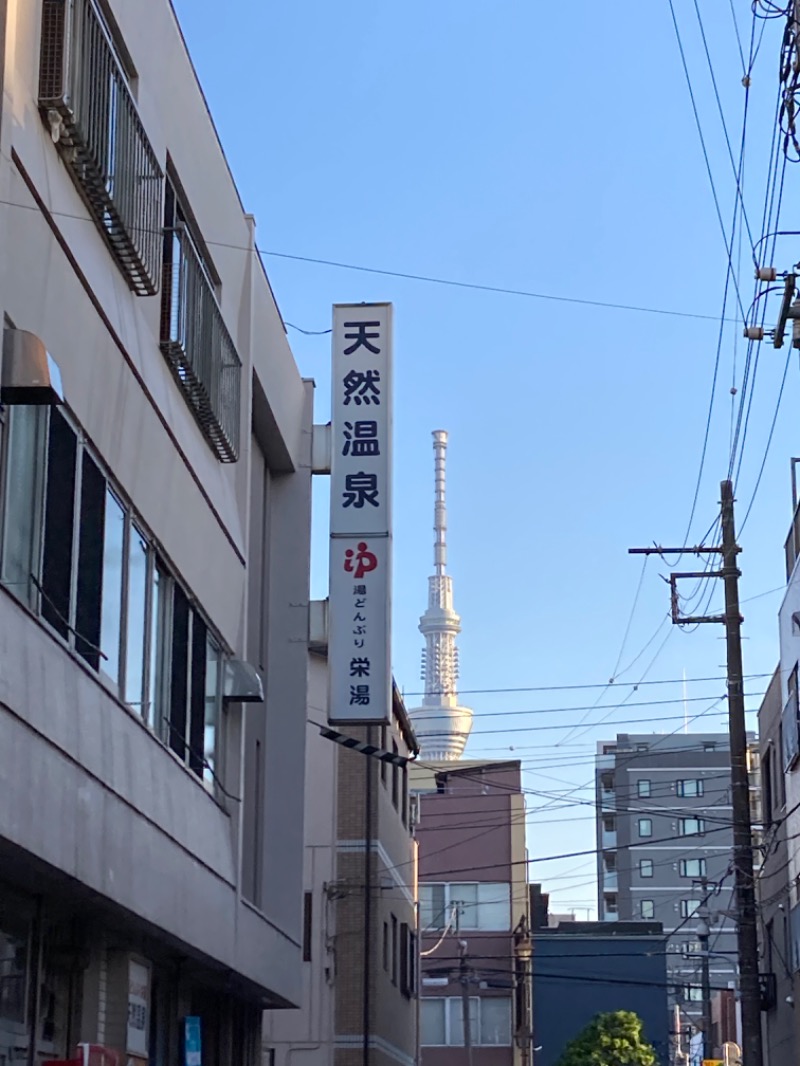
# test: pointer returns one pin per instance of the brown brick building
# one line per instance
(473, 899)
(361, 947)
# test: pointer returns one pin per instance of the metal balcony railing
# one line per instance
(198, 346)
(87, 103)
(792, 545)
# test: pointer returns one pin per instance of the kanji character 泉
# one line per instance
(361, 338)
(359, 695)
(361, 438)
(359, 667)
(362, 387)
(359, 489)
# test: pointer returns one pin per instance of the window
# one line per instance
(645, 867)
(194, 337)
(384, 766)
(482, 906)
(442, 1021)
(689, 789)
(645, 827)
(395, 778)
(790, 723)
(643, 788)
(766, 786)
(408, 961)
(308, 914)
(690, 949)
(709, 745)
(404, 794)
(609, 825)
(689, 907)
(386, 950)
(607, 782)
(84, 85)
(692, 867)
(647, 910)
(75, 554)
(691, 827)
(610, 904)
(693, 993)
(642, 747)
(394, 950)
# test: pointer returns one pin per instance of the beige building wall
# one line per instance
(94, 795)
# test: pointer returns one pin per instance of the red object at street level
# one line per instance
(89, 1055)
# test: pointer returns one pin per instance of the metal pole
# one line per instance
(367, 958)
(747, 930)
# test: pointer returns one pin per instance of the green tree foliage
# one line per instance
(613, 1039)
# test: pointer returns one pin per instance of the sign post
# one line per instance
(359, 616)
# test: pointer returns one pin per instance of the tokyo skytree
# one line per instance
(441, 725)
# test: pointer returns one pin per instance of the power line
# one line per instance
(602, 684)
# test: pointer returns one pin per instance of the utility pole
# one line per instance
(703, 931)
(463, 970)
(746, 914)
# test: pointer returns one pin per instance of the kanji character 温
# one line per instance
(361, 438)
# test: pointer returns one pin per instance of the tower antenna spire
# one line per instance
(441, 725)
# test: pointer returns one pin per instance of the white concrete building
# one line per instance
(154, 561)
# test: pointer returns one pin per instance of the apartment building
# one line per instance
(154, 562)
(474, 920)
(664, 840)
(360, 943)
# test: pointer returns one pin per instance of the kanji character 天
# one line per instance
(362, 336)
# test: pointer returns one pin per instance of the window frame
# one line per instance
(646, 863)
(699, 832)
(698, 784)
(647, 791)
(158, 621)
(641, 822)
(683, 865)
(647, 905)
(450, 898)
(453, 1005)
(688, 911)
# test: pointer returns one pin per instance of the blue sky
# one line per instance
(549, 148)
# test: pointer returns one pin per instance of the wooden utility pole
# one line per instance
(745, 894)
(746, 913)
(464, 977)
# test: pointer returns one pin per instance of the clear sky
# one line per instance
(549, 148)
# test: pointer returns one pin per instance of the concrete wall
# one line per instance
(91, 791)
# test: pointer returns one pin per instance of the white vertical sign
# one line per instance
(359, 664)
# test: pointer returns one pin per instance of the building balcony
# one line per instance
(198, 347)
(608, 799)
(608, 838)
(84, 97)
(610, 880)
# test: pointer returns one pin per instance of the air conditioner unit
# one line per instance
(55, 66)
